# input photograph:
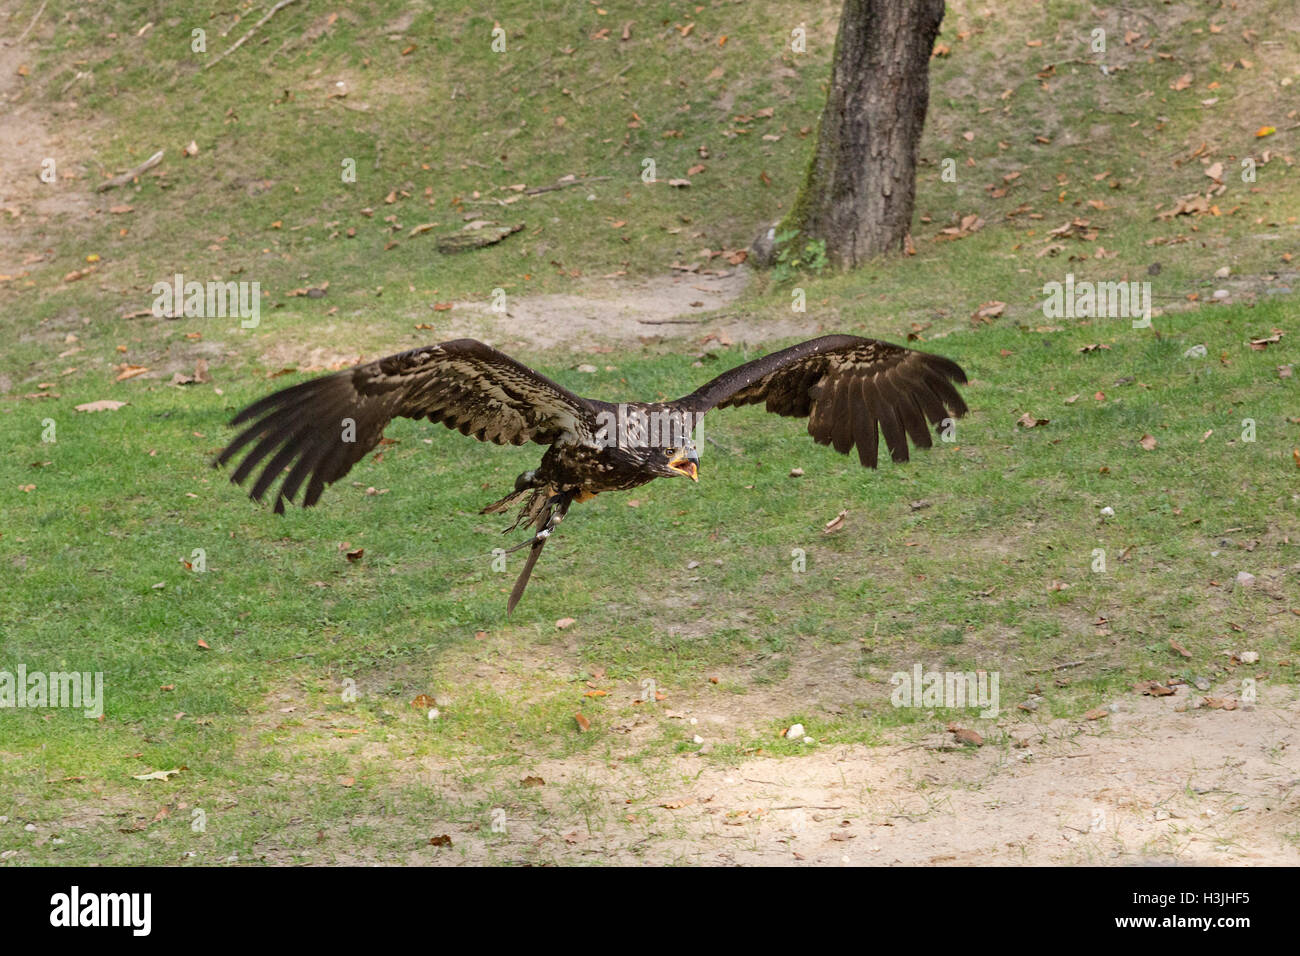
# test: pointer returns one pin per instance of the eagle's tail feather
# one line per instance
(522, 581)
(551, 513)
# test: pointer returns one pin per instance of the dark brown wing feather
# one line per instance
(851, 389)
(319, 429)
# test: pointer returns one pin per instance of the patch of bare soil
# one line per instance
(618, 312)
(1147, 785)
(609, 313)
(28, 205)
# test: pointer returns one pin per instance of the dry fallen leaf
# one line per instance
(1029, 421)
(564, 622)
(103, 405)
(583, 723)
(835, 523)
(988, 312)
(156, 775)
(1148, 442)
(964, 735)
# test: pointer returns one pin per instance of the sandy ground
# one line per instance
(1148, 785)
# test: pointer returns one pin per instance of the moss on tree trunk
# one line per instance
(860, 187)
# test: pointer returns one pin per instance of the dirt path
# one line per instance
(28, 205)
(1146, 786)
(626, 311)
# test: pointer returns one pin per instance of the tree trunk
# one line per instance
(860, 186)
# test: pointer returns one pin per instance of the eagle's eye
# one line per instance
(670, 452)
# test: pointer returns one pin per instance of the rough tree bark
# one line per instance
(859, 190)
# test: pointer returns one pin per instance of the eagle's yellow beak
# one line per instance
(686, 466)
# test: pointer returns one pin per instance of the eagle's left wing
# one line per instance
(319, 429)
(851, 389)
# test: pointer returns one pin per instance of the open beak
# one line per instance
(686, 466)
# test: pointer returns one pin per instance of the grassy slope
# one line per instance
(967, 582)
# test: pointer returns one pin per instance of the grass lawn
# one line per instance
(249, 652)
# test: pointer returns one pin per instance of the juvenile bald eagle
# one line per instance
(851, 389)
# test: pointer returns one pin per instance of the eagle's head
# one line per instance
(679, 460)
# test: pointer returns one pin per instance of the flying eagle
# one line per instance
(851, 390)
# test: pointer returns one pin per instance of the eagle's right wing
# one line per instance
(325, 426)
(851, 389)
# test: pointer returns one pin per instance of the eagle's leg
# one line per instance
(544, 516)
(551, 515)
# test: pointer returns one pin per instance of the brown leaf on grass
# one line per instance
(203, 645)
(1029, 421)
(835, 524)
(988, 312)
(1174, 645)
(103, 405)
(584, 724)
(441, 840)
(1182, 83)
(565, 622)
(531, 781)
(1148, 442)
(1096, 713)
(199, 377)
(424, 702)
(1193, 205)
(156, 775)
(968, 224)
(130, 371)
(354, 556)
(1261, 344)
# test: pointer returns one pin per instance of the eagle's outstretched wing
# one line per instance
(852, 390)
(323, 427)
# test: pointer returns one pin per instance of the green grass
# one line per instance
(284, 767)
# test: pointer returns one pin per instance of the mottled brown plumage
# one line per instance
(851, 389)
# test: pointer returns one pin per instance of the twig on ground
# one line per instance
(1061, 667)
(39, 10)
(126, 177)
(538, 190)
(608, 81)
(240, 42)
